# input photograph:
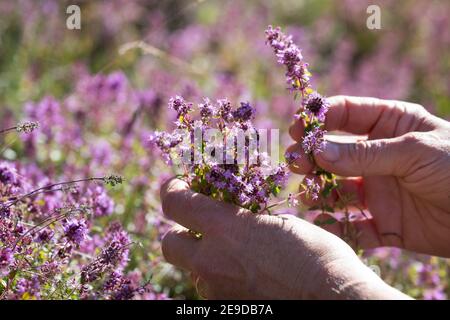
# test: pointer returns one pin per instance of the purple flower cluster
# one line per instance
(249, 184)
(312, 188)
(99, 201)
(289, 55)
(6, 260)
(291, 156)
(165, 142)
(180, 106)
(224, 110)
(313, 141)
(244, 113)
(10, 180)
(75, 230)
(103, 89)
(112, 258)
(207, 110)
(314, 106)
(43, 228)
(57, 230)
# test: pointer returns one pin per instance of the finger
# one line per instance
(297, 130)
(193, 210)
(368, 157)
(350, 191)
(356, 115)
(363, 115)
(303, 164)
(179, 247)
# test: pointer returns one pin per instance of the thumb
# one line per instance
(367, 157)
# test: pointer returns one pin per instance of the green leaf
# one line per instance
(330, 221)
(327, 189)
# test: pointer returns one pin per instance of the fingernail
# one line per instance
(330, 152)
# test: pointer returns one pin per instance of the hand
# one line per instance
(246, 256)
(403, 169)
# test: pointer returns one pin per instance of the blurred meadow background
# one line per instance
(98, 92)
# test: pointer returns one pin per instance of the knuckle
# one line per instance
(413, 138)
(360, 154)
(196, 204)
(339, 98)
(418, 108)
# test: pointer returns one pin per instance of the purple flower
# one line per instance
(290, 57)
(75, 230)
(224, 110)
(434, 294)
(101, 152)
(288, 54)
(115, 233)
(276, 38)
(312, 188)
(50, 268)
(292, 200)
(44, 236)
(313, 141)
(244, 113)
(8, 174)
(280, 175)
(122, 287)
(180, 105)
(207, 110)
(101, 203)
(316, 106)
(291, 157)
(5, 211)
(102, 89)
(48, 113)
(165, 142)
(31, 286)
(11, 180)
(6, 258)
(111, 256)
(115, 81)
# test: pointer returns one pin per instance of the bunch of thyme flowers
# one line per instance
(221, 153)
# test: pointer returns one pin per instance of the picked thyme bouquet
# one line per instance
(222, 154)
